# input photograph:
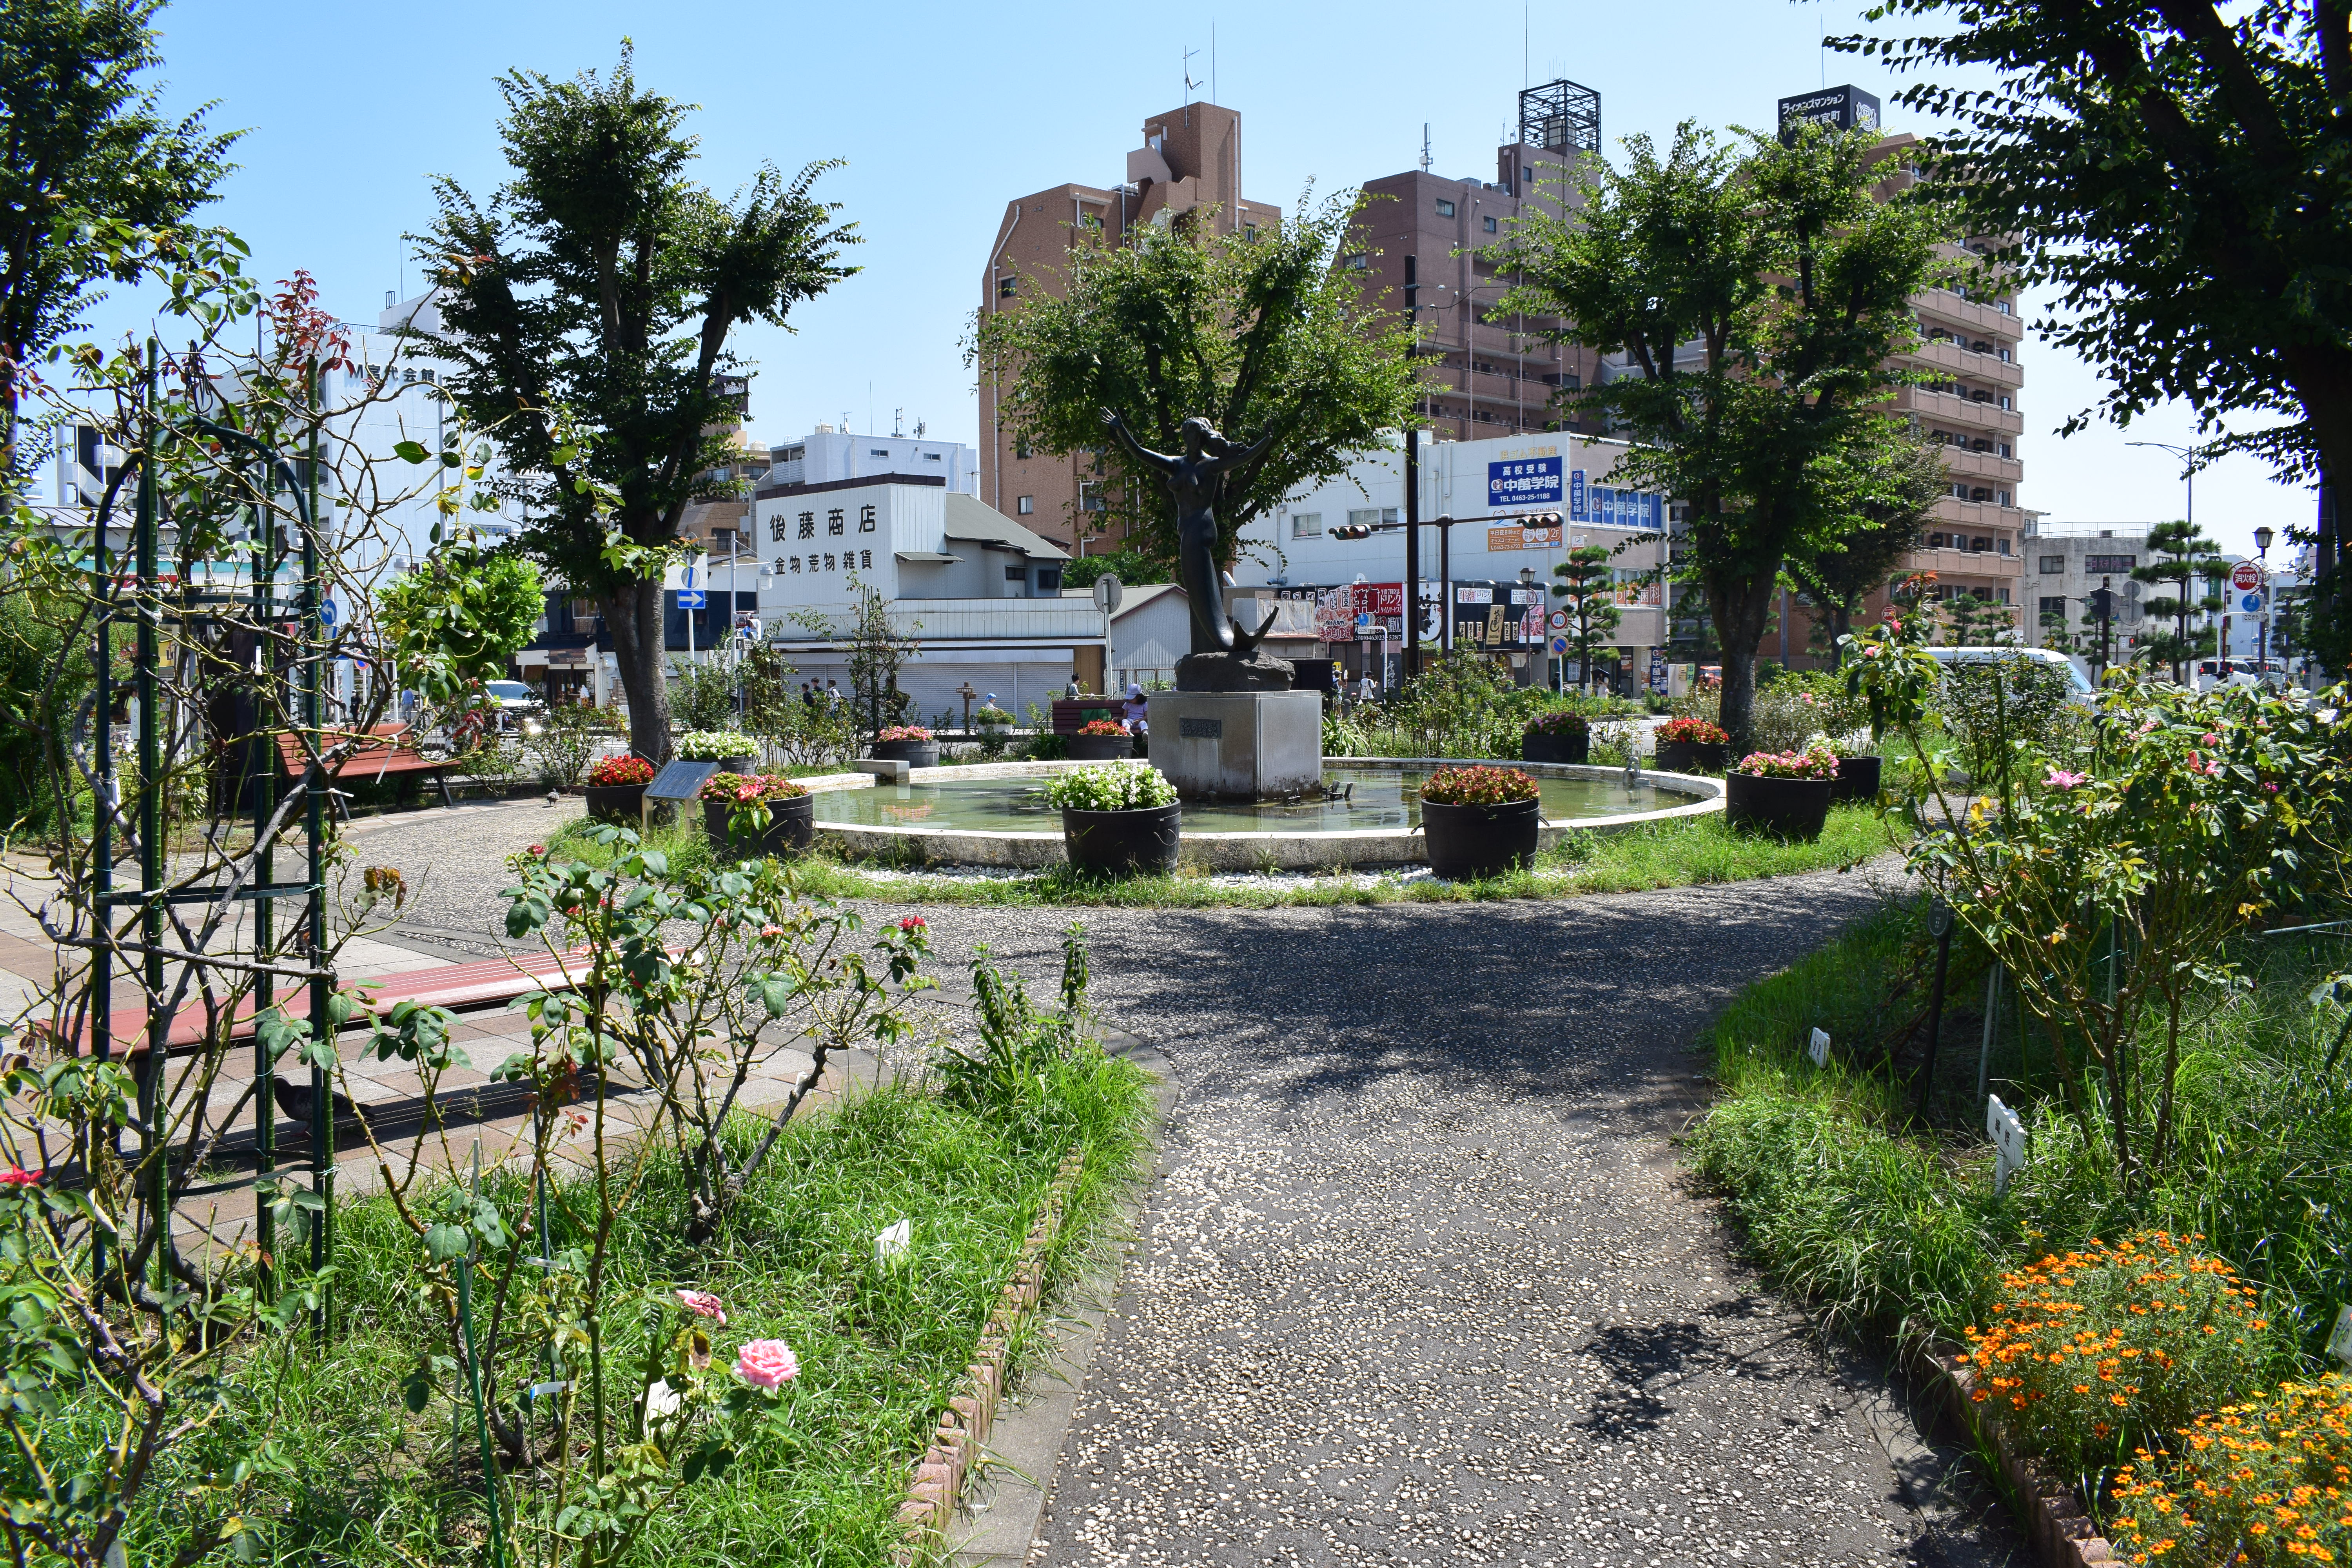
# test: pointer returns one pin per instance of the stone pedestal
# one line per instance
(1238, 745)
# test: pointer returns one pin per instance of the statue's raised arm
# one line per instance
(1230, 456)
(1162, 461)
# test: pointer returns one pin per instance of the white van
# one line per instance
(2078, 679)
(2237, 671)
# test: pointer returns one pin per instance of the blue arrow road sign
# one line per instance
(689, 599)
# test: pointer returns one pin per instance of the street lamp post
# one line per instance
(2263, 537)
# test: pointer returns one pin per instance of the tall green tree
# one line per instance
(91, 170)
(1895, 485)
(2181, 554)
(2179, 173)
(1258, 334)
(1795, 285)
(587, 305)
(1587, 588)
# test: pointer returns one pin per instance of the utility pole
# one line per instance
(1412, 483)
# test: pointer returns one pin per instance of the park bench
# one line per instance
(382, 752)
(478, 987)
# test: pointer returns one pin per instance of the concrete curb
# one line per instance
(964, 1426)
(2052, 1516)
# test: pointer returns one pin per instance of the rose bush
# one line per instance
(1815, 761)
(615, 773)
(1479, 785)
(1691, 732)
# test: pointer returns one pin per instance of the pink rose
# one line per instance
(911, 924)
(767, 1363)
(2210, 738)
(15, 1177)
(2060, 779)
(702, 1303)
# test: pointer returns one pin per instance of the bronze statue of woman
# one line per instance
(1196, 482)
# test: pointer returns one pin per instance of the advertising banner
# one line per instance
(1526, 482)
(1576, 497)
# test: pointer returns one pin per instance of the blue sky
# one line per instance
(943, 113)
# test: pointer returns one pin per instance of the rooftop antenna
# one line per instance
(1526, 75)
(1425, 146)
(1213, 62)
(1189, 84)
(899, 423)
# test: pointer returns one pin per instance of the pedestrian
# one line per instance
(1367, 690)
(832, 694)
(1133, 714)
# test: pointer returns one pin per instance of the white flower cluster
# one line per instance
(1112, 786)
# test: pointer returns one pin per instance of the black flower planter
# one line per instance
(1788, 808)
(1564, 746)
(1693, 756)
(1100, 748)
(1857, 780)
(1117, 842)
(1467, 841)
(914, 754)
(615, 803)
(791, 828)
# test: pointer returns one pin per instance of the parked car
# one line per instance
(2213, 672)
(2078, 679)
(514, 699)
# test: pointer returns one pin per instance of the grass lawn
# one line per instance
(1873, 1220)
(1663, 854)
(881, 1348)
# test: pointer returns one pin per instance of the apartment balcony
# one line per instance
(1980, 321)
(1987, 467)
(1979, 517)
(1968, 363)
(951, 623)
(1953, 564)
(1941, 408)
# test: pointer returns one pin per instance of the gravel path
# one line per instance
(1420, 1282)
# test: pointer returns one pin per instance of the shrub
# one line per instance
(2266, 1482)
(711, 745)
(1816, 762)
(1691, 732)
(2094, 1351)
(1105, 727)
(1794, 709)
(1112, 786)
(1479, 786)
(740, 788)
(1559, 722)
(614, 772)
(992, 714)
(903, 732)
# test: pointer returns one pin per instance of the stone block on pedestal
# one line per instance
(1238, 745)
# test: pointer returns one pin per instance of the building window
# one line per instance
(1021, 445)
(1959, 492)
(2003, 495)
(1091, 496)
(1015, 575)
(1249, 233)
(1004, 287)
(2053, 607)
(2053, 565)
(2004, 594)
(877, 452)
(1370, 517)
(1356, 261)
(935, 456)
(2004, 403)
(1049, 579)
(1445, 207)
(1488, 224)
(1306, 525)
(1025, 505)
(2007, 451)
(2105, 564)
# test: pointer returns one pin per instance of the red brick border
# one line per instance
(2062, 1533)
(963, 1425)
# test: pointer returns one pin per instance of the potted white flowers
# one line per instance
(1118, 817)
(730, 748)
(1786, 792)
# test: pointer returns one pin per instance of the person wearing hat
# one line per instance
(1133, 713)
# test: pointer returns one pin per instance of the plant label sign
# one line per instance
(2007, 1135)
(680, 780)
(1820, 1049)
(2339, 1344)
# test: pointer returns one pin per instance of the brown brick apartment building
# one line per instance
(1190, 158)
(1488, 373)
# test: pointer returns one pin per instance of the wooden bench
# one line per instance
(476, 987)
(382, 752)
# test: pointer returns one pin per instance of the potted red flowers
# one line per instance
(1559, 736)
(1693, 746)
(1101, 741)
(1480, 821)
(1786, 792)
(617, 789)
(909, 743)
(750, 815)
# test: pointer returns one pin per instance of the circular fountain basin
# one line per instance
(996, 814)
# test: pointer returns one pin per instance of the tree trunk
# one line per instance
(632, 620)
(1840, 627)
(1741, 606)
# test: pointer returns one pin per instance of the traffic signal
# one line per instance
(1352, 530)
(1540, 519)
